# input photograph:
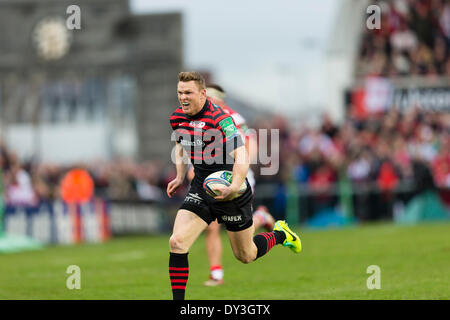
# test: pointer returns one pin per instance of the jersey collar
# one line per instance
(201, 112)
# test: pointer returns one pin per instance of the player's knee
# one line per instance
(177, 244)
(244, 257)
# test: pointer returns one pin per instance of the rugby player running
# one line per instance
(207, 135)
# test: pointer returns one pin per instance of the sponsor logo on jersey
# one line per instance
(228, 127)
(195, 143)
(197, 124)
(193, 197)
(232, 218)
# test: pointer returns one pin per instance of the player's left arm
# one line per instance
(240, 169)
(239, 154)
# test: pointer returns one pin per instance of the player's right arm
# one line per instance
(181, 162)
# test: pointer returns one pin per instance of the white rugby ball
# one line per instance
(221, 178)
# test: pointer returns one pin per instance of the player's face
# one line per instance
(191, 97)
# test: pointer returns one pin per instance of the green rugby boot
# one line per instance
(292, 239)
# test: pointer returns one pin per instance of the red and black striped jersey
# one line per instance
(208, 138)
(248, 136)
(239, 120)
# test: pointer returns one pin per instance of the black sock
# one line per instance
(266, 240)
(178, 272)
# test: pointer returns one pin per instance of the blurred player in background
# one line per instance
(261, 217)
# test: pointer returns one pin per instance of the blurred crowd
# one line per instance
(381, 148)
(28, 182)
(414, 39)
(383, 153)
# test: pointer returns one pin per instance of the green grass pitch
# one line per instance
(414, 263)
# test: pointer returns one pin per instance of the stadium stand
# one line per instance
(414, 40)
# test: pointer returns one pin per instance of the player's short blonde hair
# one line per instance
(215, 91)
(187, 76)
